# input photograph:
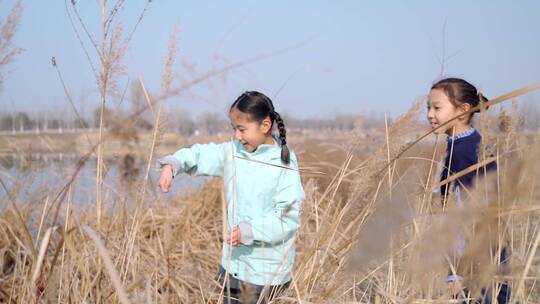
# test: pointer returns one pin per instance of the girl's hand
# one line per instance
(233, 237)
(165, 179)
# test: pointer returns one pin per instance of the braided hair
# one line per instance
(259, 106)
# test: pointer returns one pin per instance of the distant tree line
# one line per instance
(178, 120)
(211, 123)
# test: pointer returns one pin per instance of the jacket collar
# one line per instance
(463, 134)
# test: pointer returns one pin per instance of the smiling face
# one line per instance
(441, 109)
(249, 132)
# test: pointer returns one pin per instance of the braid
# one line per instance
(285, 154)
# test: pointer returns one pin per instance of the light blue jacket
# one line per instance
(266, 197)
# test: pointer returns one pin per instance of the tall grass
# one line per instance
(8, 29)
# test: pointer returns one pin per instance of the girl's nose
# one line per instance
(430, 114)
(237, 135)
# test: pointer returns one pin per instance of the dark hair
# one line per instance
(460, 91)
(259, 106)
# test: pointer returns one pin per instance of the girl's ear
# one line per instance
(266, 125)
(464, 107)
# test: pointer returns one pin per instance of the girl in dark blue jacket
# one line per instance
(450, 98)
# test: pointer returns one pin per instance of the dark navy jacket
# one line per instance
(464, 154)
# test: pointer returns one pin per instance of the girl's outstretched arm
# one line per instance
(200, 159)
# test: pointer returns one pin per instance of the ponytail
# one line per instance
(285, 154)
(481, 99)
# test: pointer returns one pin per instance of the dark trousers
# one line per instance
(503, 295)
(503, 290)
(239, 292)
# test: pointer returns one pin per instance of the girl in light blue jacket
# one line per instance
(263, 192)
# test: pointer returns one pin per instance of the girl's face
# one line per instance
(441, 109)
(250, 133)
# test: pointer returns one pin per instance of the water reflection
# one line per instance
(38, 175)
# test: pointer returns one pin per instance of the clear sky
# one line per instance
(354, 56)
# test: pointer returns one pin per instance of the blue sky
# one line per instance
(351, 56)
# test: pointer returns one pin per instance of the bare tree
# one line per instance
(211, 123)
(180, 121)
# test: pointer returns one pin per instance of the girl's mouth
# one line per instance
(248, 147)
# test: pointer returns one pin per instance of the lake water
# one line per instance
(34, 177)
